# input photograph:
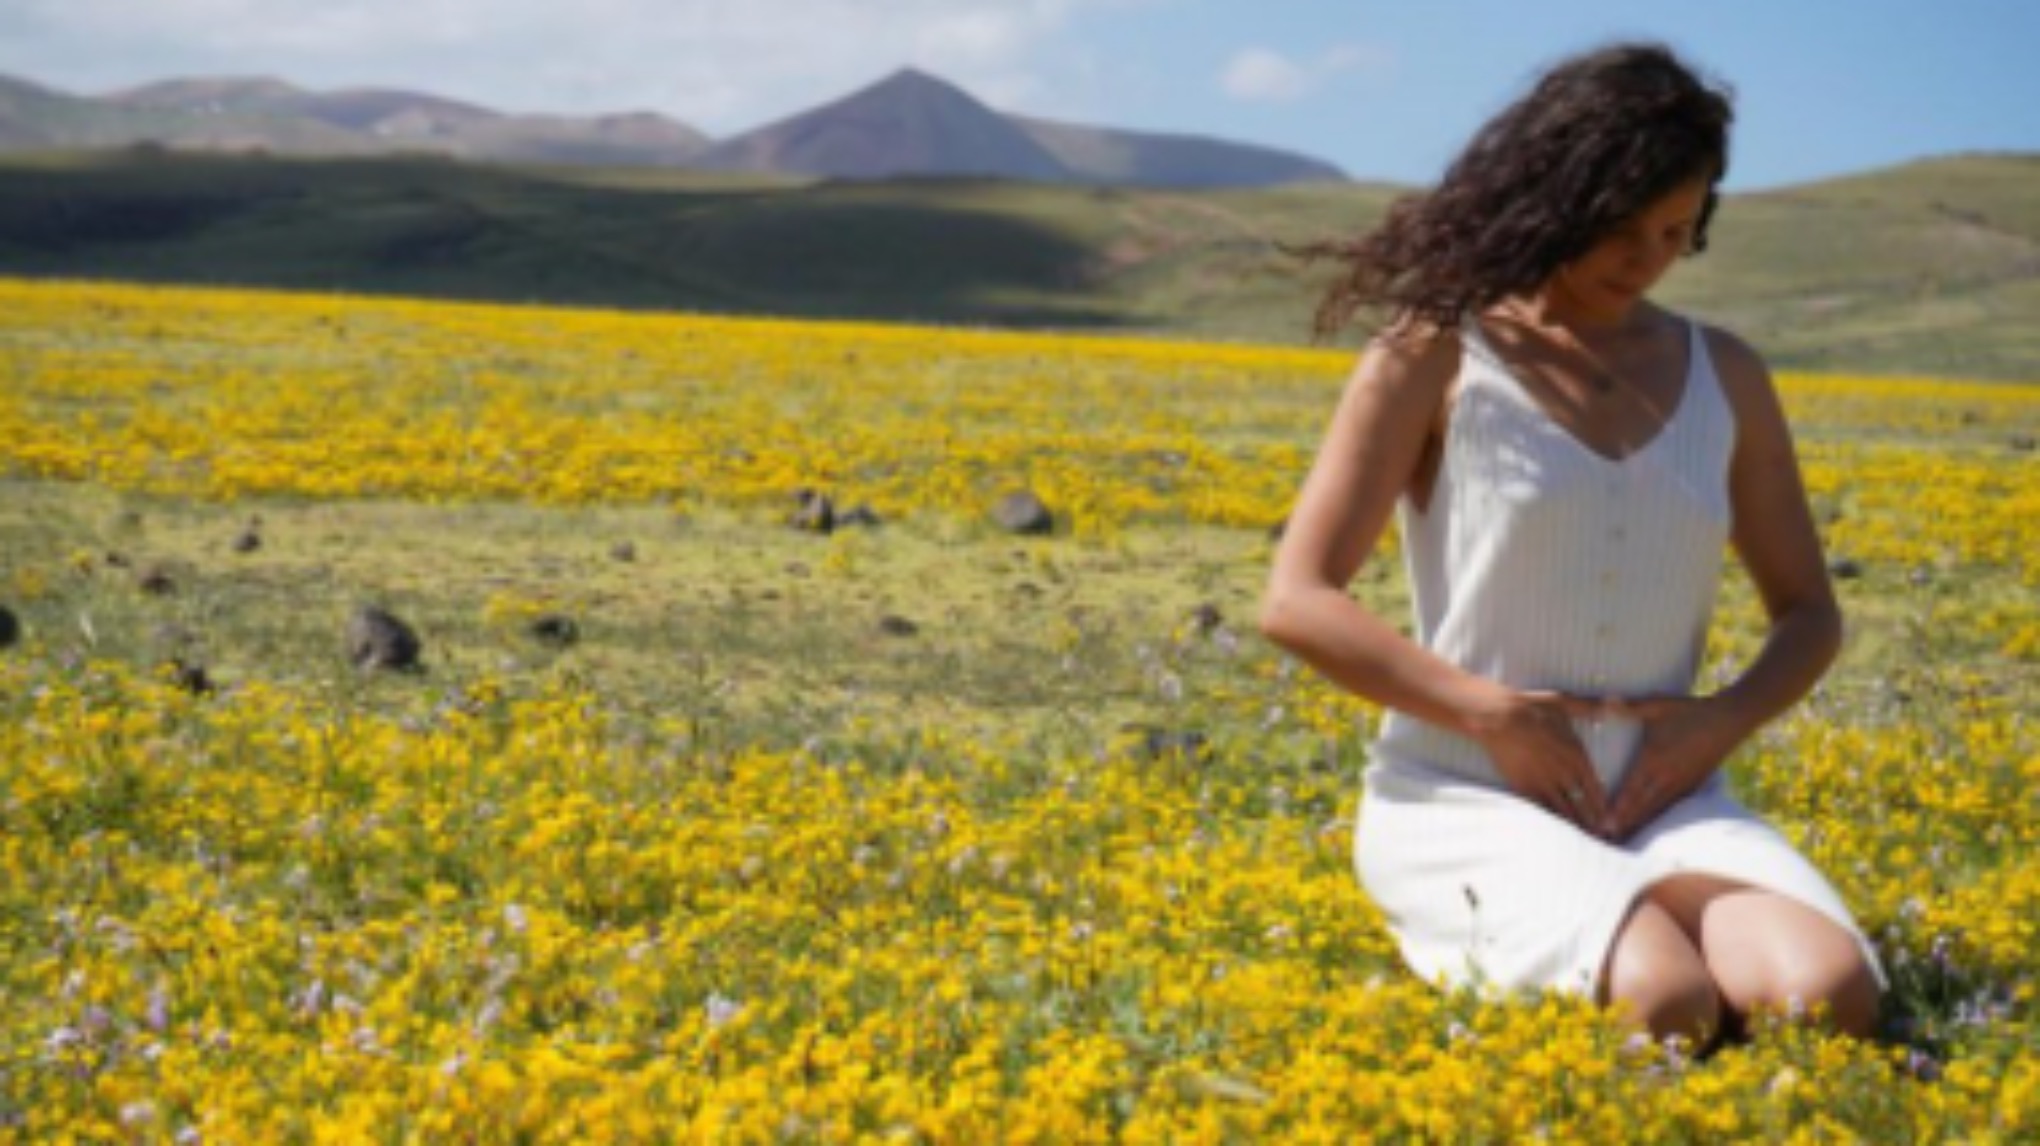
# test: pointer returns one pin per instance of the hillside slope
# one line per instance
(1932, 268)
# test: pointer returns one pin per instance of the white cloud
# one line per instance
(1264, 75)
(722, 65)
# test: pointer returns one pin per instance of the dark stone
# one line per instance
(2023, 443)
(1022, 512)
(862, 515)
(115, 559)
(156, 581)
(1845, 568)
(893, 625)
(816, 514)
(555, 629)
(623, 551)
(190, 677)
(1206, 618)
(379, 640)
(10, 627)
(247, 541)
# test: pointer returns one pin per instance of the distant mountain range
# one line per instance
(909, 124)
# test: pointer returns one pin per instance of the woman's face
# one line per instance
(1626, 262)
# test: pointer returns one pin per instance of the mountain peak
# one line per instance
(914, 75)
(913, 83)
(908, 124)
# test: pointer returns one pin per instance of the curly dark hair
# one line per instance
(1600, 137)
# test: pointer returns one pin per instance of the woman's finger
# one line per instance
(1588, 797)
(1586, 707)
(1642, 798)
(1646, 707)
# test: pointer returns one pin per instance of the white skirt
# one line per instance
(1484, 888)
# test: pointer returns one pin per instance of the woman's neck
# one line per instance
(1552, 306)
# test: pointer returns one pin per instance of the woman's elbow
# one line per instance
(1277, 620)
(1829, 627)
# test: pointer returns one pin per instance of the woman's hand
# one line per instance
(1685, 739)
(1530, 738)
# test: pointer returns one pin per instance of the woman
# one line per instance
(1544, 807)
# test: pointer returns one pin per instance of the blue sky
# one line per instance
(1386, 91)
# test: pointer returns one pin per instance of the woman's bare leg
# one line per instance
(1770, 951)
(1655, 971)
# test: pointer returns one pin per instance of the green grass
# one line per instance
(1932, 268)
(772, 634)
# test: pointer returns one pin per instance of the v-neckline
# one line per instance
(1524, 394)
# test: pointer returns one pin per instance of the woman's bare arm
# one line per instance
(1369, 457)
(1687, 738)
(1370, 454)
(1774, 535)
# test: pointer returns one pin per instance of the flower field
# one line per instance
(1061, 855)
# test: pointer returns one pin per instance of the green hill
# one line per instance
(1932, 268)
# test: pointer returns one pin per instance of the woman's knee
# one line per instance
(1841, 991)
(1658, 977)
(1773, 954)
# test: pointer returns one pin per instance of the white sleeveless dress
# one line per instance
(1544, 565)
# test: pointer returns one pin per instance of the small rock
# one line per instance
(893, 625)
(555, 629)
(156, 581)
(862, 515)
(10, 627)
(623, 551)
(247, 541)
(379, 640)
(1022, 512)
(816, 514)
(190, 677)
(115, 559)
(1206, 618)
(2023, 443)
(1845, 568)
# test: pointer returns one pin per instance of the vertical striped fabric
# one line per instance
(1543, 565)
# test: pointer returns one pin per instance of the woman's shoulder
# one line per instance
(1416, 350)
(1729, 350)
(1741, 370)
